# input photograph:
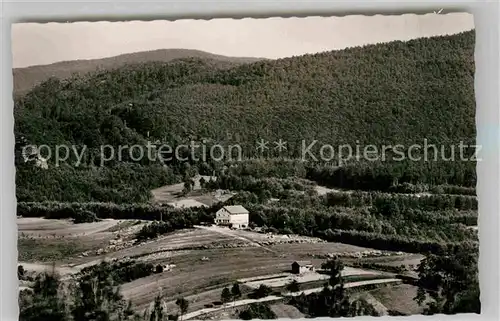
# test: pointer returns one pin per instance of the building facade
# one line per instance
(234, 216)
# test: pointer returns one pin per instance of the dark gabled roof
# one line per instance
(302, 263)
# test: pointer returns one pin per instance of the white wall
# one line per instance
(240, 219)
(223, 215)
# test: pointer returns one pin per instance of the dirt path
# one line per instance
(235, 304)
(35, 267)
(349, 285)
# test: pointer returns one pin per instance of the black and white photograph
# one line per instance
(256, 168)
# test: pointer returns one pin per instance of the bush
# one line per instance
(20, 272)
(460, 190)
(84, 216)
(120, 271)
(257, 311)
(261, 292)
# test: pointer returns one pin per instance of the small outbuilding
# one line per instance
(300, 267)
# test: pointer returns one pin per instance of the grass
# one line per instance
(363, 277)
(122, 225)
(398, 298)
(321, 283)
(33, 250)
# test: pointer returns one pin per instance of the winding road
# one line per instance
(272, 298)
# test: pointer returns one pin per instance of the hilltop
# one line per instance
(26, 78)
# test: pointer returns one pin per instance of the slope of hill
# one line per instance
(26, 78)
(385, 94)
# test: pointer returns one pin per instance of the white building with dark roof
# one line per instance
(235, 216)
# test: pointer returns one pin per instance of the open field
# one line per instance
(180, 242)
(407, 260)
(173, 194)
(63, 242)
(52, 250)
(192, 275)
(223, 267)
(200, 269)
(203, 256)
(410, 262)
(206, 259)
(286, 311)
(35, 227)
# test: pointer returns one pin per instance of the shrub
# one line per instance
(84, 216)
(120, 271)
(261, 292)
(257, 311)
(20, 272)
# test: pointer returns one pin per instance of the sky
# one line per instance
(40, 44)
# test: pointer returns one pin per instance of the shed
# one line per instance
(299, 267)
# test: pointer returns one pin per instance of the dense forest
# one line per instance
(384, 94)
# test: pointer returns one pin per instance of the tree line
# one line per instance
(411, 231)
(140, 211)
(384, 225)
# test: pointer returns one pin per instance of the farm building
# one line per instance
(234, 216)
(300, 267)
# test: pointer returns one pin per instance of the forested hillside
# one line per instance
(394, 93)
(26, 78)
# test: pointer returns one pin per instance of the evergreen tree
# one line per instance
(183, 305)
(448, 282)
(293, 286)
(225, 296)
(157, 313)
(97, 298)
(44, 302)
(235, 292)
